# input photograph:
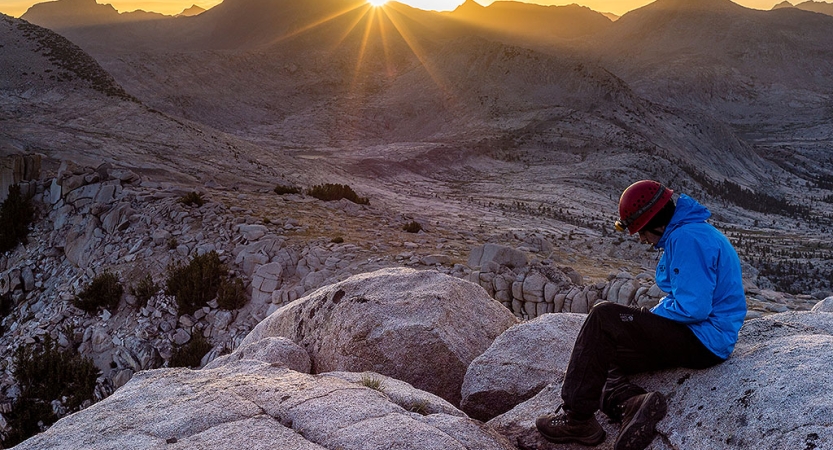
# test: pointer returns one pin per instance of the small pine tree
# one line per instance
(191, 354)
(231, 294)
(196, 283)
(144, 290)
(331, 192)
(47, 373)
(412, 227)
(192, 199)
(283, 190)
(16, 214)
(104, 291)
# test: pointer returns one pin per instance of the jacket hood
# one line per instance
(688, 210)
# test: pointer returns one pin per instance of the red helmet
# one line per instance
(639, 203)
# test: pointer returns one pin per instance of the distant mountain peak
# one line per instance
(784, 4)
(819, 7)
(531, 21)
(194, 10)
(70, 13)
(469, 5)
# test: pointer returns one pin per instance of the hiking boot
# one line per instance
(639, 420)
(564, 427)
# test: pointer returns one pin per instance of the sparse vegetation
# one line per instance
(191, 354)
(419, 407)
(16, 214)
(104, 291)
(192, 199)
(412, 227)
(144, 290)
(196, 283)
(231, 294)
(373, 382)
(746, 198)
(73, 61)
(200, 281)
(337, 240)
(6, 304)
(47, 373)
(284, 190)
(330, 192)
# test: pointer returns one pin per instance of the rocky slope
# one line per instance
(59, 102)
(326, 88)
(766, 73)
(268, 399)
(297, 77)
(478, 141)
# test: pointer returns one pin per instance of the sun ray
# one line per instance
(412, 43)
(320, 22)
(363, 47)
(351, 27)
(377, 3)
(383, 31)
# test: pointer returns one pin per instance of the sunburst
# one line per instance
(376, 28)
(375, 16)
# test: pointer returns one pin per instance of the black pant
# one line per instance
(617, 340)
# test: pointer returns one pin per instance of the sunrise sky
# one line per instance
(17, 7)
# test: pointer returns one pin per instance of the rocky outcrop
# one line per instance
(110, 219)
(500, 379)
(825, 305)
(534, 290)
(767, 395)
(500, 255)
(24, 170)
(277, 351)
(421, 327)
(257, 405)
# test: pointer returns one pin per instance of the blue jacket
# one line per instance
(701, 272)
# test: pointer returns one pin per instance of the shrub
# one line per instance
(412, 227)
(330, 192)
(104, 291)
(191, 199)
(190, 355)
(337, 240)
(6, 304)
(231, 294)
(196, 283)
(25, 420)
(47, 373)
(283, 190)
(144, 290)
(16, 214)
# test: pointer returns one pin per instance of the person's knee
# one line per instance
(606, 311)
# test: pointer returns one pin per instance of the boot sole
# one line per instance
(594, 439)
(641, 430)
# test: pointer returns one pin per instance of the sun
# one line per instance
(376, 3)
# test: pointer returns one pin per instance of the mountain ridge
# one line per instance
(64, 14)
(809, 5)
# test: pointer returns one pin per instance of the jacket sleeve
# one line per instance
(692, 272)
